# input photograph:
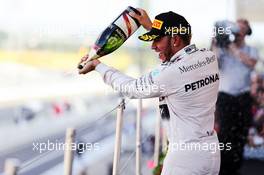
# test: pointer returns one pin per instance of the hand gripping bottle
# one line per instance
(114, 35)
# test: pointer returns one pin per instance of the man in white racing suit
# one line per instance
(187, 86)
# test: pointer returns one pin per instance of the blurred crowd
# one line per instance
(256, 131)
(239, 107)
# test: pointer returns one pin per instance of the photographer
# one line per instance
(236, 61)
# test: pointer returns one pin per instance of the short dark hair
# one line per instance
(245, 21)
(186, 39)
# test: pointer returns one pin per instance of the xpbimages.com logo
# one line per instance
(146, 89)
(208, 147)
(181, 30)
(58, 146)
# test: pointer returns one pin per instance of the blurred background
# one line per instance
(41, 93)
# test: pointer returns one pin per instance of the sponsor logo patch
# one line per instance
(157, 24)
(197, 65)
(201, 83)
(148, 37)
(155, 73)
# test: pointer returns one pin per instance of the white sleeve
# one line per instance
(146, 86)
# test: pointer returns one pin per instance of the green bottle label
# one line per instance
(111, 39)
(114, 41)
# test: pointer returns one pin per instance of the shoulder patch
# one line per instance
(191, 49)
(203, 49)
(155, 73)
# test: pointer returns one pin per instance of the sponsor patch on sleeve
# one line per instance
(155, 73)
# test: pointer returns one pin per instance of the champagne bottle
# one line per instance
(114, 35)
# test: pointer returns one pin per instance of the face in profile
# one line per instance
(162, 46)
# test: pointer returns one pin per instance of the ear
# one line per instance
(175, 41)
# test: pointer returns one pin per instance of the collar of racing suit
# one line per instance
(186, 50)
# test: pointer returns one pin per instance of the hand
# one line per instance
(214, 42)
(233, 49)
(89, 66)
(241, 56)
(143, 19)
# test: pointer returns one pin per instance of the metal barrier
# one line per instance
(13, 167)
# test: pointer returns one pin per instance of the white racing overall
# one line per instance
(187, 87)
